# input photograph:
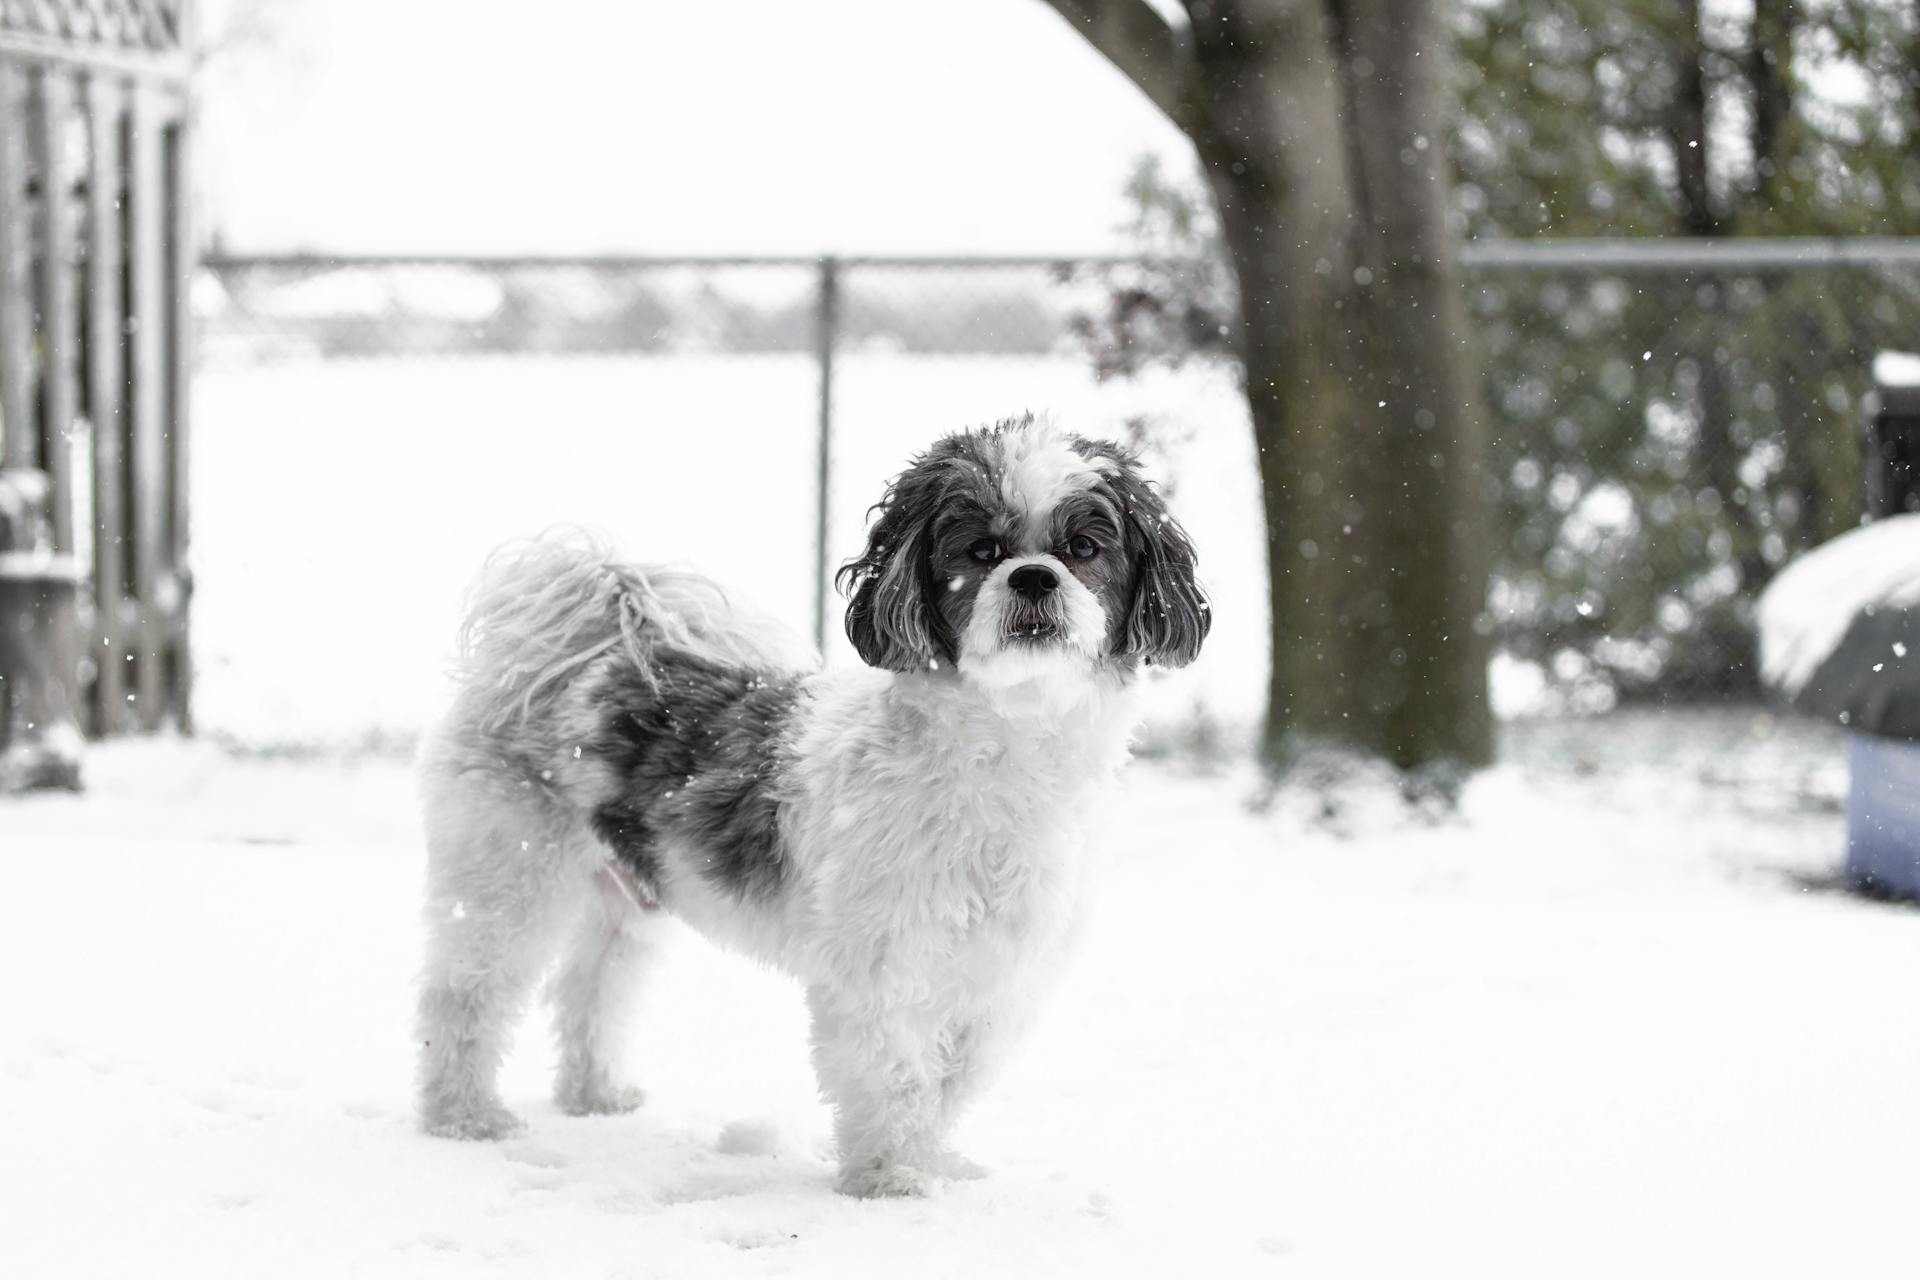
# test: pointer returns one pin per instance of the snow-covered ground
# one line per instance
(1600, 1024)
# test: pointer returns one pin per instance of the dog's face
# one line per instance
(1009, 551)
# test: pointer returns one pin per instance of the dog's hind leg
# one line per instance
(499, 884)
(594, 991)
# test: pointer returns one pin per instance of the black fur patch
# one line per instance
(700, 758)
(1169, 615)
(901, 616)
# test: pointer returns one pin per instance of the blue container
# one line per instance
(1883, 815)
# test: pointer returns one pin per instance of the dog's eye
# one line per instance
(986, 550)
(1082, 547)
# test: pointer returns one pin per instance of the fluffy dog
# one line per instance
(907, 839)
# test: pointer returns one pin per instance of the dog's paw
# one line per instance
(881, 1179)
(599, 1100)
(484, 1123)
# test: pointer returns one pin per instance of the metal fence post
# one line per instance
(826, 324)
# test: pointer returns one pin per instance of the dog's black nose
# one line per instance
(1033, 581)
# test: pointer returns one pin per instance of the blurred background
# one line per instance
(447, 278)
(626, 276)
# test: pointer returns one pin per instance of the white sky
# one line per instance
(754, 126)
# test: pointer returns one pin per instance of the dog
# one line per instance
(907, 839)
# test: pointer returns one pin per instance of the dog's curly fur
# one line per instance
(905, 839)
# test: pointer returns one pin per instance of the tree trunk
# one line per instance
(1823, 448)
(1686, 121)
(1769, 58)
(1318, 124)
(1913, 58)
(1318, 132)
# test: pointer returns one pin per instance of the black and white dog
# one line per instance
(906, 840)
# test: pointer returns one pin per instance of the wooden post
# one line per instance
(59, 319)
(39, 642)
(18, 436)
(179, 418)
(147, 315)
(106, 390)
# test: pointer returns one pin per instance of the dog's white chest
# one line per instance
(957, 889)
(936, 850)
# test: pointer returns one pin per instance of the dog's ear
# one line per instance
(1168, 615)
(890, 618)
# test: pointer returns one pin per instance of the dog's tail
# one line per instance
(545, 609)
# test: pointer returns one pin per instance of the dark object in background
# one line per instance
(1869, 677)
(39, 643)
(1893, 436)
(1840, 638)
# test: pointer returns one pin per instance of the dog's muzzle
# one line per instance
(1034, 613)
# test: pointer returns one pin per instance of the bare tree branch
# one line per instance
(1133, 36)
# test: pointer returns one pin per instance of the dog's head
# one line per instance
(1010, 551)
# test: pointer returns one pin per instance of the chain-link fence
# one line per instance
(1670, 423)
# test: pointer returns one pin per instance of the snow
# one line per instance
(1599, 1024)
(1806, 610)
(1896, 369)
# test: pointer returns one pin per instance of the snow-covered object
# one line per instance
(1840, 629)
(1896, 369)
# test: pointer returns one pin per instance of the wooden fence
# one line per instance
(95, 260)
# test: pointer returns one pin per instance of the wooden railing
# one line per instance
(95, 259)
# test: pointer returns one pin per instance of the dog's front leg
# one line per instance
(976, 1049)
(884, 1081)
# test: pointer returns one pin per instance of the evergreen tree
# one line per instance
(1660, 442)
